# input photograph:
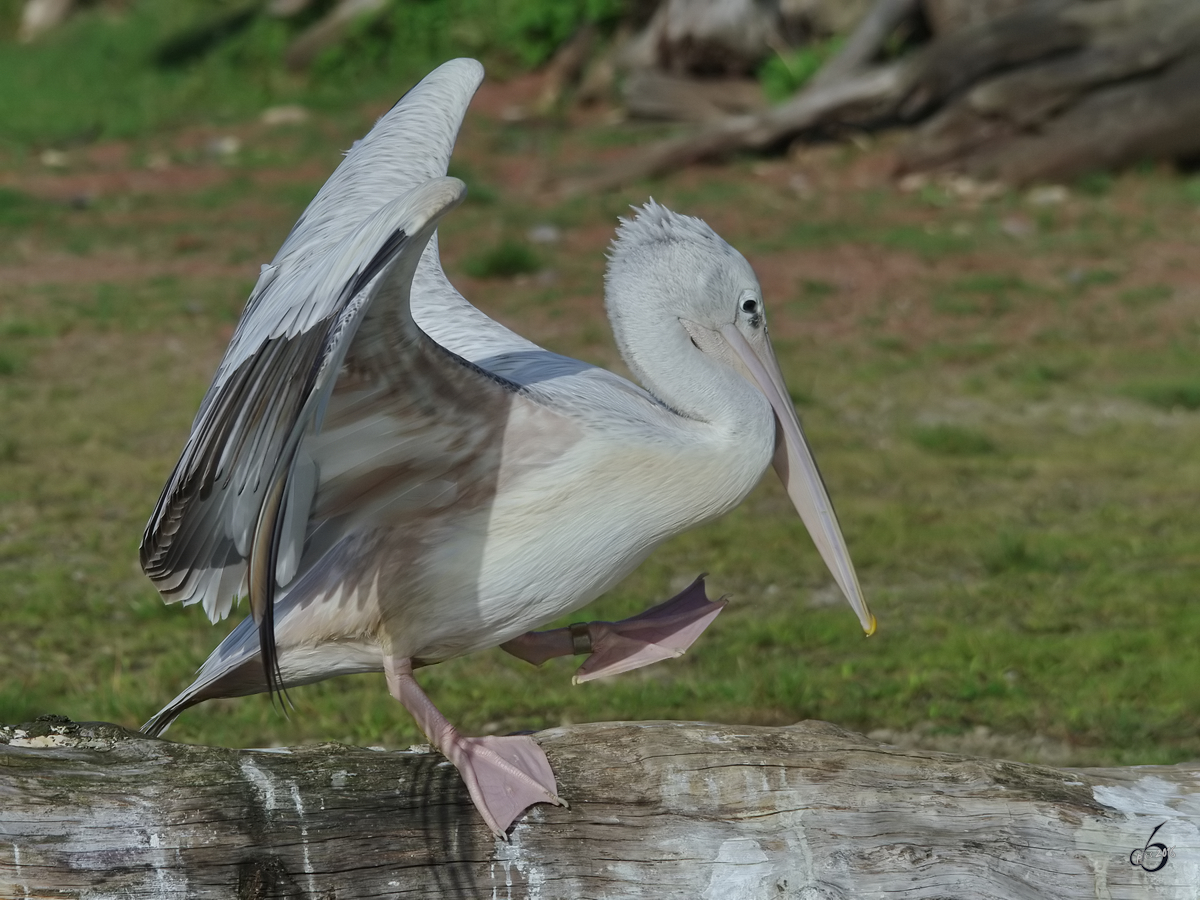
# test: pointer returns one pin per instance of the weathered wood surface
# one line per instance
(1039, 30)
(658, 810)
(708, 37)
(1012, 90)
(655, 95)
(1155, 118)
(566, 67)
(945, 16)
(867, 39)
(1053, 119)
(329, 30)
(865, 92)
(863, 97)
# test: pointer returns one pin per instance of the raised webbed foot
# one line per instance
(661, 632)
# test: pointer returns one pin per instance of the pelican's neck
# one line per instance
(660, 353)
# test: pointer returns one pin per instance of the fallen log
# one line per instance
(862, 97)
(328, 30)
(1155, 118)
(565, 67)
(973, 132)
(865, 41)
(945, 16)
(1010, 90)
(866, 92)
(843, 86)
(1037, 31)
(655, 95)
(658, 810)
(709, 37)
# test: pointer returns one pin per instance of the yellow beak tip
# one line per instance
(870, 631)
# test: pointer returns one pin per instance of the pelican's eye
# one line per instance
(751, 306)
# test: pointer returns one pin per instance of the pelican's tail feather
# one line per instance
(233, 670)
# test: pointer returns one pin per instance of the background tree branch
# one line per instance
(1015, 90)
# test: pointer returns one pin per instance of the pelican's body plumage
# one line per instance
(395, 479)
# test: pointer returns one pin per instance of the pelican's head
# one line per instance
(674, 276)
(665, 268)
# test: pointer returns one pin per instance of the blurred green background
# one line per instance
(1002, 390)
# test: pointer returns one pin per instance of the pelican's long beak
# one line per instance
(798, 470)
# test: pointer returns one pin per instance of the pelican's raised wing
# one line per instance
(232, 516)
(201, 533)
(409, 145)
(223, 467)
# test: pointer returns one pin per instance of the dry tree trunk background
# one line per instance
(658, 810)
(1009, 90)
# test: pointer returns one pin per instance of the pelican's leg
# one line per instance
(661, 632)
(505, 775)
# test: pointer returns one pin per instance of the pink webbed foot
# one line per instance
(504, 775)
(661, 632)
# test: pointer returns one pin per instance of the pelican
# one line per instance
(393, 479)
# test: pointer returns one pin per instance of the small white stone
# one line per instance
(1016, 226)
(544, 234)
(1047, 195)
(158, 160)
(54, 159)
(800, 185)
(288, 114)
(224, 147)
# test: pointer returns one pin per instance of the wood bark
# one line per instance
(865, 93)
(327, 31)
(658, 810)
(946, 16)
(1014, 90)
(1033, 32)
(1155, 118)
(1122, 89)
(866, 40)
(565, 67)
(821, 17)
(707, 37)
(656, 95)
(905, 89)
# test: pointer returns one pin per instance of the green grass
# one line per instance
(986, 293)
(1145, 296)
(1032, 559)
(1172, 395)
(785, 73)
(122, 70)
(951, 440)
(505, 260)
(19, 210)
